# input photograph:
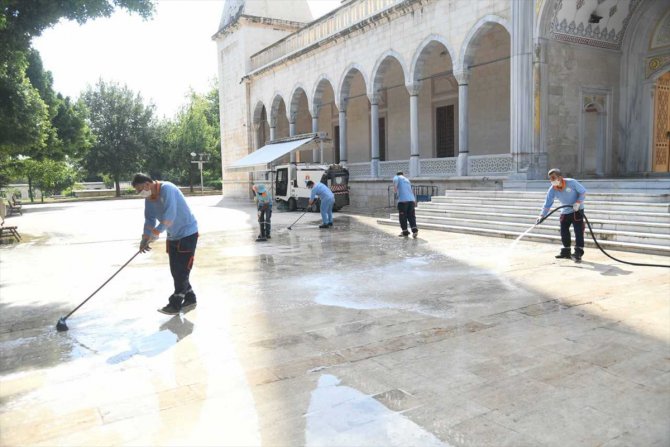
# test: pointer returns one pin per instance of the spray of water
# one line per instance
(504, 261)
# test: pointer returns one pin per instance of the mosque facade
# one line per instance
(450, 91)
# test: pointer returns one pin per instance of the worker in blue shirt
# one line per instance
(569, 192)
(327, 202)
(406, 204)
(264, 203)
(164, 203)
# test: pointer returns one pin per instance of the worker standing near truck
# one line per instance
(327, 201)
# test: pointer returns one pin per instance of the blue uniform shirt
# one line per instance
(264, 199)
(572, 192)
(324, 192)
(404, 189)
(171, 211)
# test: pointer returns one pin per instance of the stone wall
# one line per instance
(572, 71)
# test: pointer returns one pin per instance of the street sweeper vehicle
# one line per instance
(291, 179)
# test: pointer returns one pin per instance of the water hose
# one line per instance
(596, 241)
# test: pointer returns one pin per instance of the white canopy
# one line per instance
(259, 160)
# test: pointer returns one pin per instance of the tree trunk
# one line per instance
(118, 185)
(190, 176)
(31, 194)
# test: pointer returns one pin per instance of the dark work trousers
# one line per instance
(264, 217)
(182, 253)
(406, 214)
(577, 222)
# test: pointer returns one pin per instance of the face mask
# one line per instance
(556, 182)
(144, 193)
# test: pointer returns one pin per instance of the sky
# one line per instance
(161, 58)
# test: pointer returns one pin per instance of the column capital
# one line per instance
(462, 75)
(342, 105)
(413, 88)
(293, 116)
(315, 110)
(374, 98)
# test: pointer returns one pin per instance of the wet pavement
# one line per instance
(344, 337)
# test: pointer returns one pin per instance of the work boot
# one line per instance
(330, 224)
(261, 238)
(564, 254)
(577, 255)
(174, 305)
(189, 302)
(415, 234)
(324, 226)
(404, 234)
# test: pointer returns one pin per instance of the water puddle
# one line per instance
(343, 416)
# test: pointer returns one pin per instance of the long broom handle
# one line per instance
(103, 285)
(296, 221)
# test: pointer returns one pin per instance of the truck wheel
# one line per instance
(291, 204)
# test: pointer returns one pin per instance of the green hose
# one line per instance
(596, 241)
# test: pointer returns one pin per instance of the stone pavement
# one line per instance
(343, 337)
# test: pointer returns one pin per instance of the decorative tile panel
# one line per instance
(389, 168)
(358, 170)
(490, 164)
(656, 64)
(438, 167)
(570, 21)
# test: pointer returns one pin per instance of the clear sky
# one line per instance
(161, 58)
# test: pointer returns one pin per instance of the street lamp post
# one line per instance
(202, 160)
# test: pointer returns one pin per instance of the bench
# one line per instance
(14, 207)
(11, 231)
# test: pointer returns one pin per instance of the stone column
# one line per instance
(374, 135)
(272, 133)
(462, 76)
(538, 168)
(316, 156)
(521, 88)
(343, 136)
(257, 141)
(291, 133)
(414, 163)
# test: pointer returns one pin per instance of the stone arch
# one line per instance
(344, 87)
(277, 99)
(543, 23)
(298, 90)
(318, 91)
(424, 50)
(258, 110)
(469, 46)
(381, 66)
(637, 85)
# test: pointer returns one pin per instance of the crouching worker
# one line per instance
(264, 203)
(569, 192)
(327, 202)
(164, 203)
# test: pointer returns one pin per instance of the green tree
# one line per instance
(49, 176)
(196, 130)
(24, 114)
(122, 124)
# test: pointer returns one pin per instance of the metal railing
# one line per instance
(422, 193)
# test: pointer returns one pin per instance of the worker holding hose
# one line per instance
(569, 192)
(166, 205)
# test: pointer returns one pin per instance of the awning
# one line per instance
(259, 160)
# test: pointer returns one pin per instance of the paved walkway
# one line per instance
(343, 337)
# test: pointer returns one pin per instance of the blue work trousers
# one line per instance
(327, 211)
